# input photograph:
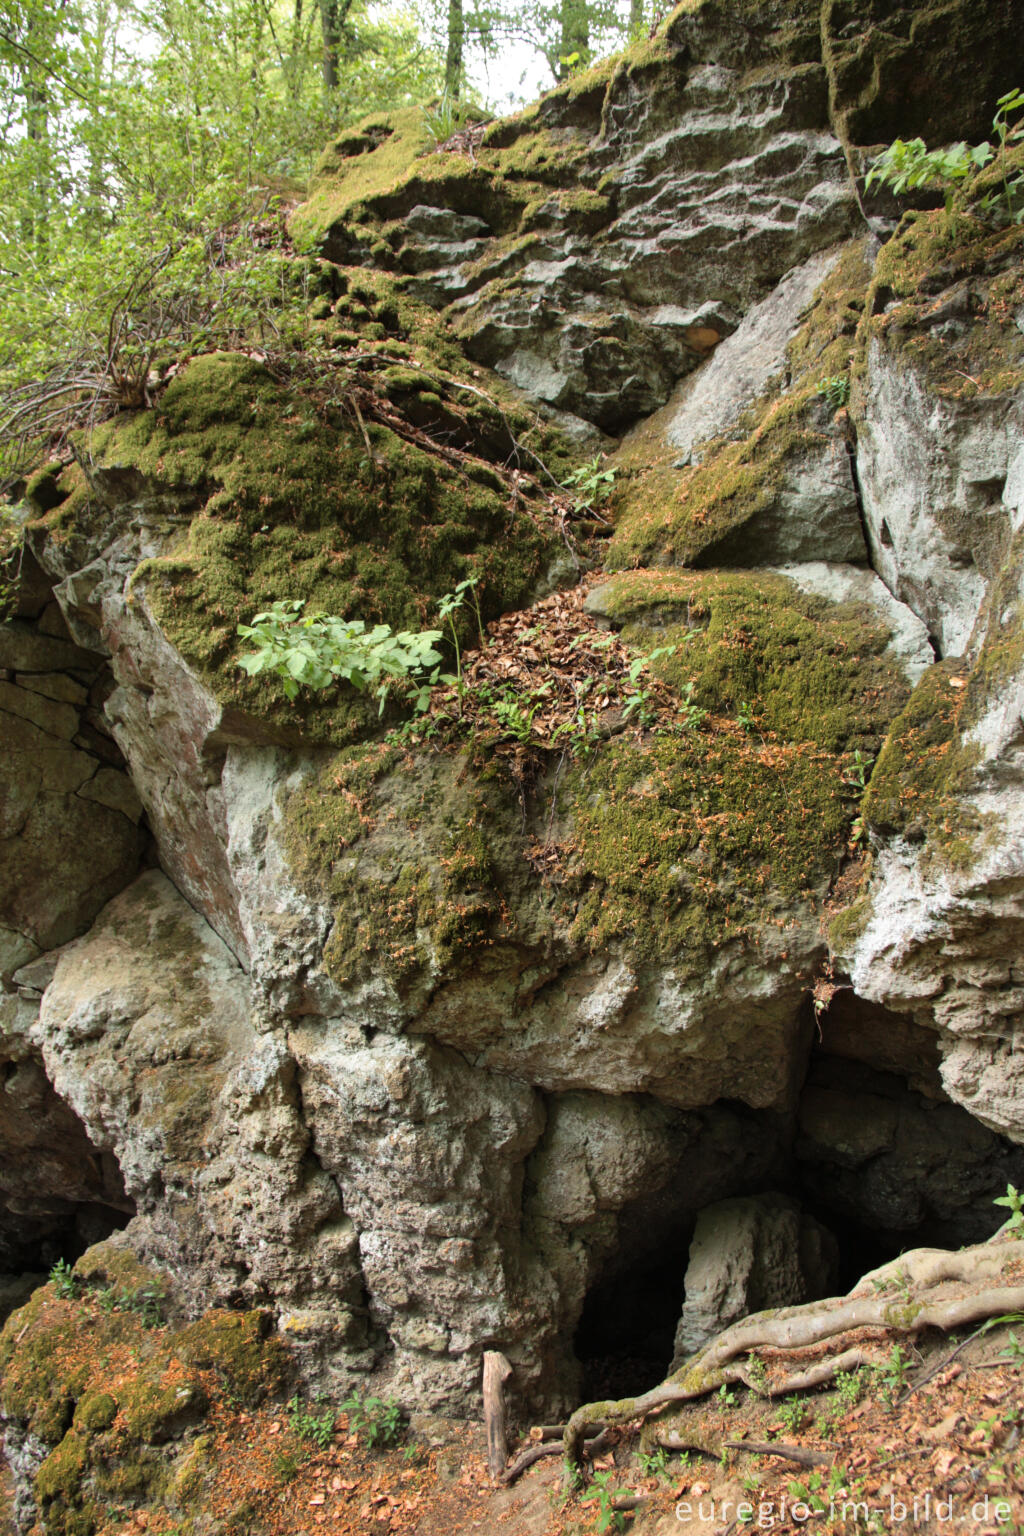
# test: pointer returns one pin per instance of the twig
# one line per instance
(801, 1454)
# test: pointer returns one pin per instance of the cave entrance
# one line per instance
(625, 1336)
(59, 1193)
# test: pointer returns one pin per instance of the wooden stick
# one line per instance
(801, 1454)
(496, 1372)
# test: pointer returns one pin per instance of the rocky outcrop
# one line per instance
(69, 814)
(429, 1042)
(748, 1255)
(935, 928)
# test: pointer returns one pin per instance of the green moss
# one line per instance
(96, 1411)
(688, 515)
(61, 1475)
(915, 788)
(799, 667)
(929, 259)
(424, 868)
(112, 1263)
(847, 925)
(274, 497)
(42, 1371)
(242, 1350)
(42, 489)
(365, 161)
(112, 1399)
(681, 845)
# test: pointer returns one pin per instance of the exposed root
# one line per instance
(923, 1289)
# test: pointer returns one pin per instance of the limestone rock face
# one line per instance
(935, 475)
(146, 1033)
(69, 814)
(936, 930)
(891, 1162)
(723, 181)
(425, 1046)
(747, 1255)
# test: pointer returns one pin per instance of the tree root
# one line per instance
(916, 1291)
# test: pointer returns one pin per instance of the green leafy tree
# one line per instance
(146, 152)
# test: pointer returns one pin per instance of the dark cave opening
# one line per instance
(874, 1152)
(59, 1193)
(625, 1336)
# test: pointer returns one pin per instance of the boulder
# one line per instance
(746, 1255)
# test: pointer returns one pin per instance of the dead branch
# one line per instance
(537, 1453)
(801, 1454)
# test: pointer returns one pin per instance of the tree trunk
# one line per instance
(453, 58)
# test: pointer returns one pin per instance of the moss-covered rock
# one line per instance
(725, 504)
(269, 490)
(116, 1399)
(750, 643)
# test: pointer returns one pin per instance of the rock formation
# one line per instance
(416, 1043)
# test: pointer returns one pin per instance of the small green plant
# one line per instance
(446, 117)
(315, 650)
(1014, 1350)
(892, 1375)
(654, 1463)
(906, 165)
(378, 1421)
(592, 484)
(516, 715)
(793, 1413)
(310, 1425)
(809, 1492)
(850, 1387)
(691, 714)
(146, 1301)
(637, 701)
(858, 771)
(726, 1399)
(450, 604)
(745, 716)
(608, 1517)
(1014, 1203)
(836, 390)
(1013, 188)
(64, 1280)
(757, 1375)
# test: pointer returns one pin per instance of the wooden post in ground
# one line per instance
(496, 1372)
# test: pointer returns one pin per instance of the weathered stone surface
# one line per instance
(746, 1255)
(893, 1163)
(145, 1031)
(723, 183)
(449, 1068)
(909, 647)
(709, 403)
(933, 473)
(69, 834)
(936, 930)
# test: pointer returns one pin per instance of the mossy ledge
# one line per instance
(663, 845)
(118, 1399)
(798, 667)
(263, 488)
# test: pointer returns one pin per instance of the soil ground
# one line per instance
(945, 1458)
